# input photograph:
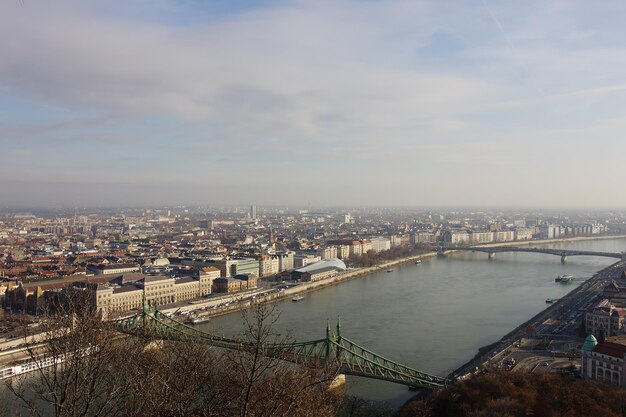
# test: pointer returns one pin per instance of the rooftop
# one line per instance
(616, 350)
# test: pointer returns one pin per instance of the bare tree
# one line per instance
(75, 370)
(268, 386)
(96, 371)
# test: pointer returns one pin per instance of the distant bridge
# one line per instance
(563, 253)
(334, 350)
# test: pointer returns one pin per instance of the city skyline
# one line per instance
(329, 103)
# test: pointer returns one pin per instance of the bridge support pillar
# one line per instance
(338, 383)
(492, 255)
(153, 345)
(563, 259)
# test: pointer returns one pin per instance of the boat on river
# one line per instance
(418, 262)
(198, 320)
(298, 298)
(564, 278)
(390, 270)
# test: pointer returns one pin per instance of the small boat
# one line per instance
(549, 300)
(298, 298)
(563, 278)
(198, 320)
(418, 262)
(390, 270)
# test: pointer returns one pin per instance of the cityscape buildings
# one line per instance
(163, 256)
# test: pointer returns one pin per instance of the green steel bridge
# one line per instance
(334, 350)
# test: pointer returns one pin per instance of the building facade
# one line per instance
(605, 319)
(604, 361)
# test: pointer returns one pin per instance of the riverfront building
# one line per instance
(238, 283)
(379, 244)
(315, 275)
(268, 265)
(605, 319)
(457, 237)
(320, 270)
(285, 261)
(614, 292)
(327, 252)
(604, 361)
(121, 294)
(302, 260)
(423, 237)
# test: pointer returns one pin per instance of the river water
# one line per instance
(433, 316)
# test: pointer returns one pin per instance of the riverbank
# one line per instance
(232, 303)
(307, 287)
(488, 353)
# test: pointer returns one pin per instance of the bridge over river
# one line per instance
(563, 253)
(333, 350)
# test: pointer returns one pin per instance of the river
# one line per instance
(434, 316)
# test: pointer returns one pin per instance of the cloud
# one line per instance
(175, 91)
(286, 68)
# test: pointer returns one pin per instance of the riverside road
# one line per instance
(561, 320)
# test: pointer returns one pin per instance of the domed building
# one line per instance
(604, 361)
(590, 343)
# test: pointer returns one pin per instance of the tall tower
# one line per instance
(253, 212)
(272, 239)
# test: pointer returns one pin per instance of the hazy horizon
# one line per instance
(327, 103)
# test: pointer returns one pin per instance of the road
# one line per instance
(558, 325)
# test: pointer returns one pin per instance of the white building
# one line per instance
(457, 237)
(327, 252)
(504, 236)
(380, 244)
(300, 261)
(481, 237)
(523, 233)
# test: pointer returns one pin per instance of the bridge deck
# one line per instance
(549, 251)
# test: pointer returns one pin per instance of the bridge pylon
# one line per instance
(328, 339)
(563, 259)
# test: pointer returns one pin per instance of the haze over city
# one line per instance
(325, 102)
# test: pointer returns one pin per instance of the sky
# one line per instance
(468, 103)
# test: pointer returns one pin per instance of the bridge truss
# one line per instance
(349, 357)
